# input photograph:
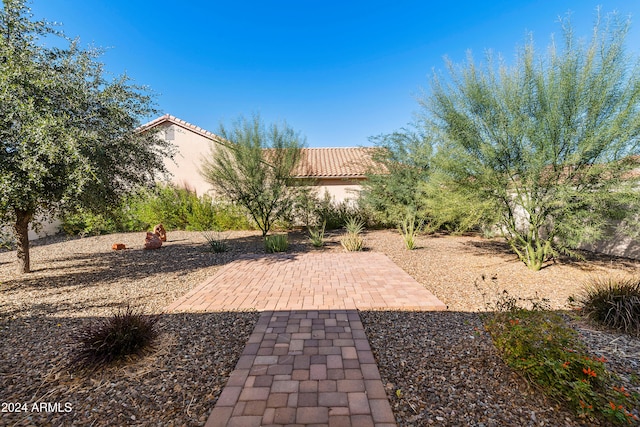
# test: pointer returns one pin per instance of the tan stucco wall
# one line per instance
(185, 169)
(616, 242)
(48, 228)
(340, 189)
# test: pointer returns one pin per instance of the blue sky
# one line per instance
(338, 72)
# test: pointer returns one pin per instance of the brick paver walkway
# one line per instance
(308, 361)
(302, 368)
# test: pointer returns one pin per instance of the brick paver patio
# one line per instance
(308, 361)
(309, 281)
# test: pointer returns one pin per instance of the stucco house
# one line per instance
(338, 171)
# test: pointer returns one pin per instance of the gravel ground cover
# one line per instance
(444, 364)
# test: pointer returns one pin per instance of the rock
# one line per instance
(161, 232)
(118, 246)
(152, 241)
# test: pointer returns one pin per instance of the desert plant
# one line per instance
(255, 168)
(216, 241)
(334, 214)
(316, 235)
(409, 228)
(548, 353)
(352, 242)
(614, 303)
(276, 243)
(546, 145)
(402, 162)
(354, 225)
(126, 333)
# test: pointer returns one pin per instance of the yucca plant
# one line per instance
(216, 241)
(614, 303)
(352, 242)
(354, 225)
(410, 229)
(316, 235)
(127, 332)
(276, 243)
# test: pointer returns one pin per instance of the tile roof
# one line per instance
(350, 162)
(168, 118)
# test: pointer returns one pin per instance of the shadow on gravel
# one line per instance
(591, 261)
(177, 383)
(174, 257)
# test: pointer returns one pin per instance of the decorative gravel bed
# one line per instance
(444, 365)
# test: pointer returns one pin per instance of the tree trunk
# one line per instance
(23, 218)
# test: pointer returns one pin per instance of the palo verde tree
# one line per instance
(394, 188)
(254, 167)
(67, 132)
(549, 142)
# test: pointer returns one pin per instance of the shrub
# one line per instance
(548, 353)
(334, 215)
(614, 303)
(216, 241)
(316, 235)
(176, 208)
(276, 243)
(83, 222)
(126, 333)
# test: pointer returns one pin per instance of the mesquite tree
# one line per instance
(254, 167)
(67, 133)
(548, 142)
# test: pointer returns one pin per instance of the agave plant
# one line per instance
(276, 243)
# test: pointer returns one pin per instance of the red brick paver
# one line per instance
(309, 281)
(291, 378)
(308, 361)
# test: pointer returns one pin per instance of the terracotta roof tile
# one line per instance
(352, 162)
(168, 118)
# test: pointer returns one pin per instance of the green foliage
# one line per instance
(334, 215)
(67, 131)
(455, 208)
(546, 144)
(253, 168)
(354, 225)
(409, 228)
(405, 157)
(614, 303)
(276, 243)
(548, 353)
(176, 208)
(316, 235)
(216, 241)
(7, 240)
(126, 333)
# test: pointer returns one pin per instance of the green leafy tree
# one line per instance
(547, 143)
(67, 132)
(395, 189)
(254, 168)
